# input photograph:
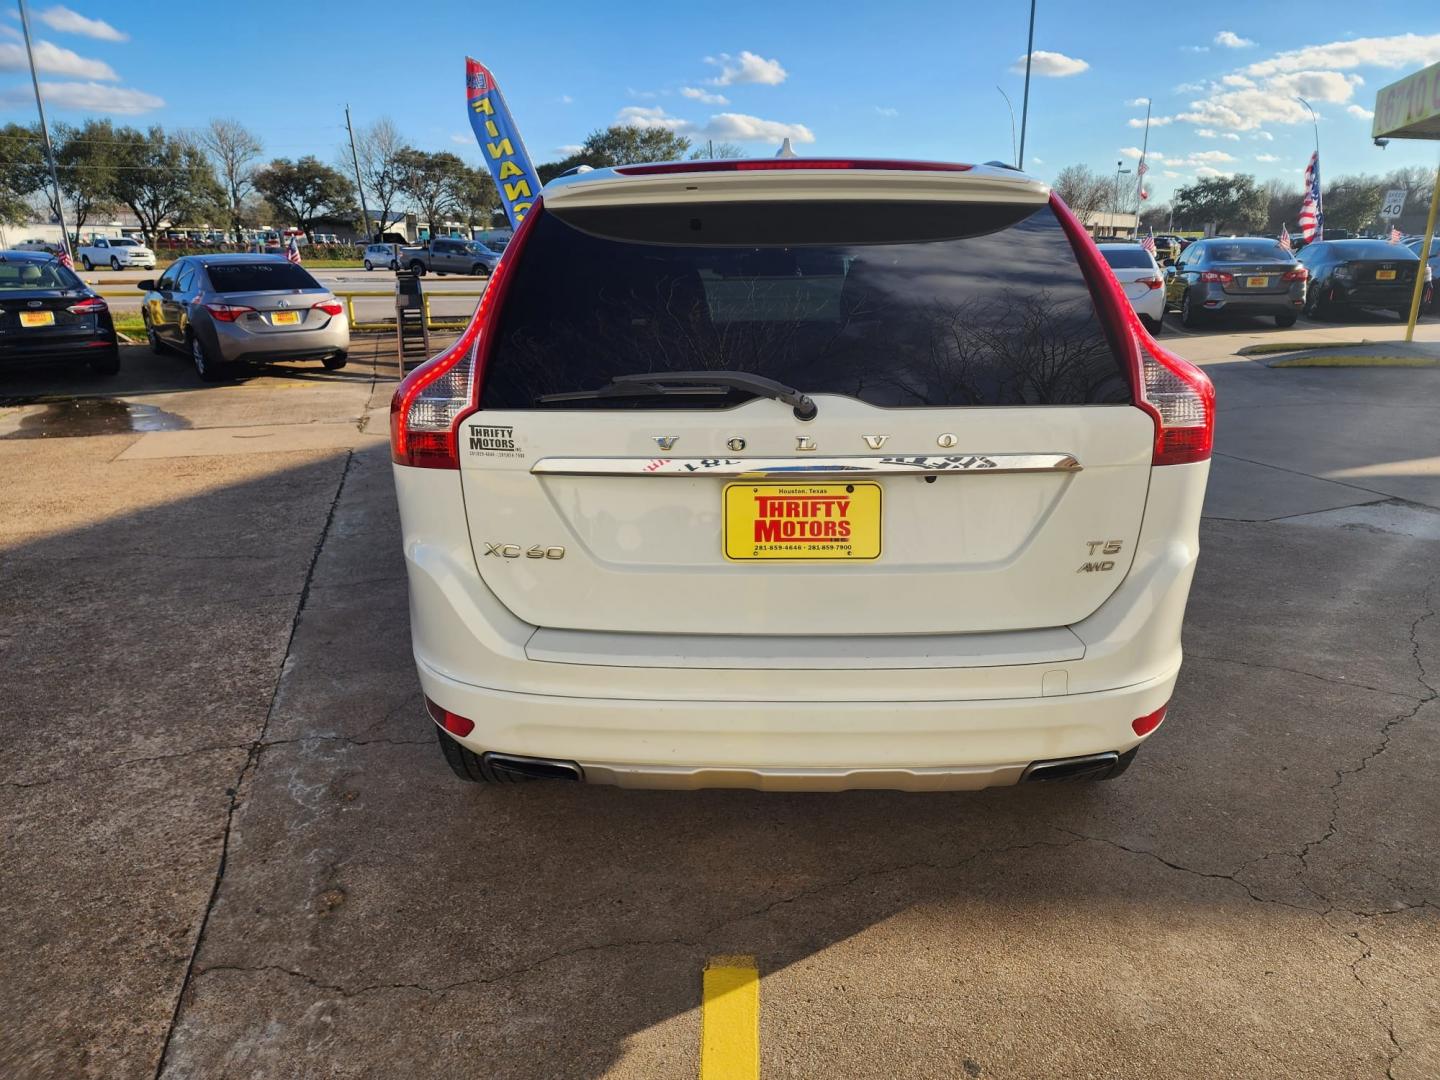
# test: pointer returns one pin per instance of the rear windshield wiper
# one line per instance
(689, 384)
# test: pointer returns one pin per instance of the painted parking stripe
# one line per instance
(730, 1019)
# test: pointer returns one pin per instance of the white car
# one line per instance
(800, 475)
(385, 256)
(117, 252)
(1142, 279)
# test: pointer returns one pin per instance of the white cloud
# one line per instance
(748, 67)
(1360, 111)
(1038, 160)
(737, 127)
(885, 110)
(568, 149)
(1401, 50)
(1230, 135)
(1205, 171)
(731, 127)
(86, 97)
(1189, 88)
(1155, 121)
(1195, 48)
(651, 116)
(566, 99)
(704, 96)
(1238, 80)
(1138, 103)
(51, 59)
(461, 139)
(1264, 136)
(1232, 40)
(1266, 157)
(72, 22)
(1210, 156)
(1134, 153)
(1320, 85)
(1205, 133)
(1053, 64)
(1170, 174)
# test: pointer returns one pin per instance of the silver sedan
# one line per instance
(224, 311)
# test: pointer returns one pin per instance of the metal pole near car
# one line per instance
(45, 136)
(359, 186)
(1025, 103)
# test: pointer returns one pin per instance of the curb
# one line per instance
(1344, 360)
(1264, 348)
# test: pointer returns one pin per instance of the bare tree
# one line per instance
(1084, 190)
(235, 150)
(381, 151)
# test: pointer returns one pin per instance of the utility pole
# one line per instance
(1014, 154)
(359, 186)
(1115, 203)
(45, 137)
(1025, 103)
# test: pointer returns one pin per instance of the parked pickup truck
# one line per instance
(450, 255)
(117, 251)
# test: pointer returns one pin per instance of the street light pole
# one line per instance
(1025, 103)
(1319, 188)
(1115, 203)
(1014, 154)
(45, 136)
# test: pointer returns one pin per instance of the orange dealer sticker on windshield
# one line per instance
(802, 521)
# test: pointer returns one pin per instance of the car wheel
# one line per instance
(153, 338)
(1189, 314)
(336, 362)
(471, 767)
(1283, 321)
(417, 268)
(1152, 326)
(369, 265)
(107, 363)
(114, 262)
(206, 366)
(85, 262)
(479, 270)
(394, 265)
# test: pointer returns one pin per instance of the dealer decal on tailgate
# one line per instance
(802, 521)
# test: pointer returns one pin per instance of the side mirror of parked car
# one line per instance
(146, 285)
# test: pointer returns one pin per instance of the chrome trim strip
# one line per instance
(781, 468)
(764, 778)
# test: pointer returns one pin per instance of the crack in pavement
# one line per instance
(252, 759)
(1191, 655)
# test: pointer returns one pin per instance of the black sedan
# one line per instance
(1359, 273)
(47, 314)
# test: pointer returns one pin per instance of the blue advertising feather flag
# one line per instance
(500, 145)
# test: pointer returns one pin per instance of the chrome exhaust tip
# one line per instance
(531, 768)
(1071, 770)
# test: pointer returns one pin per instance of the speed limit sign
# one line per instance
(1394, 204)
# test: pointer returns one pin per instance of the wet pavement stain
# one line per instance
(77, 417)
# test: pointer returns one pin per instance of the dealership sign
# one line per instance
(500, 145)
(1410, 108)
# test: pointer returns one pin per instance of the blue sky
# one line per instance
(908, 78)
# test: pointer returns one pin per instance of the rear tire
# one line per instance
(471, 767)
(1154, 326)
(1283, 321)
(369, 265)
(479, 270)
(114, 262)
(417, 268)
(394, 265)
(335, 363)
(107, 363)
(155, 344)
(206, 367)
(85, 262)
(1189, 315)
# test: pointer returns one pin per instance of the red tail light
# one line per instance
(330, 307)
(1142, 726)
(455, 723)
(92, 306)
(227, 312)
(430, 402)
(761, 164)
(1298, 274)
(1217, 275)
(1179, 397)
(1153, 282)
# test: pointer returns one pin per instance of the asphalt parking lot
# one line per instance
(232, 848)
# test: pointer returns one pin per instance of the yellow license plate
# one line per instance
(1385, 275)
(1257, 282)
(284, 318)
(37, 318)
(802, 521)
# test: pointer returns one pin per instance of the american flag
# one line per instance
(1395, 235)
(1285, 239)
(65, 259)
(1312, 215)
(1148, 242)
(292, 251)
(1141, 170)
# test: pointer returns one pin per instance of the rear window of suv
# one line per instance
(1135, 258)
(896, 304)
(258, 277)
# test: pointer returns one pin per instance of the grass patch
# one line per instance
(1267, 347)
(1354, 360)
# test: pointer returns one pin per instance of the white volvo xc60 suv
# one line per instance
(800, 474)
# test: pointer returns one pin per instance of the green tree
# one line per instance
(476, 199)
(620, 145)
(234, 149)
(433, 184)
(161, 178)
(85, 164)
(1226, 203)
(305, 191)
(1351, 202)
(24, 173)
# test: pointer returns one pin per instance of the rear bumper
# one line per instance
(240, 346)
(1217, 299)
(57, 352)
(1387, 296)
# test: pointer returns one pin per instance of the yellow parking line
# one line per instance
(730, 1019)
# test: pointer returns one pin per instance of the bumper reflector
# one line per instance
(454, 723)
(1143, 726)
